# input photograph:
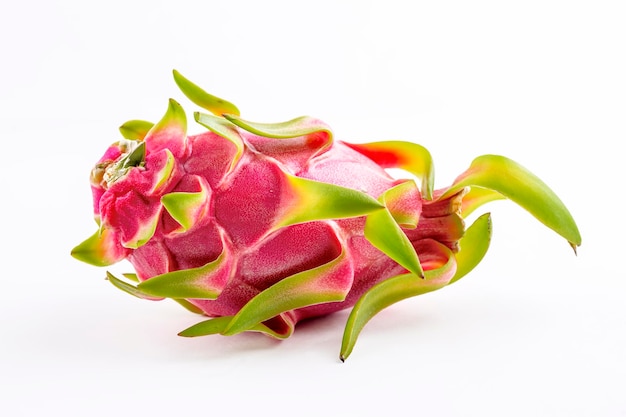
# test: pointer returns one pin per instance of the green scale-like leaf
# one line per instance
(473, 247)
(129, 288)
(383, 231)
(476, 197)
(135, 129)
(300, 126)
(394, 197)
(136, 292)
(165, 173)
(95, 249)
(203, 99)
(184, 207)
(174, 117)
(389, 292)
(225, 129)
(316, 200)
(188, 283)
(513, 181)
(310, 287)
(219, 325)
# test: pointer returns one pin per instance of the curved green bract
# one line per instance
(131, 276)
(516, 183)
(136, 292)
(476, 197)
(135, 129)
(174, 117)
(225, 129)
(316, 200)
(188, 306)
(383, 232)
(219, 324)
(389, 292)
(165, 173)
(203, 99)
(207, 327)
(474, 245)
(94, 250)
(310, 287)
(395, 197)
(411, 157)
(300, 126)
(184, 206)
(130, 289)
(187, 283)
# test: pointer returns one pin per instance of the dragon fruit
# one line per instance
(259, 226)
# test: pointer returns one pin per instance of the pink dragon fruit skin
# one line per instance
(260, 226)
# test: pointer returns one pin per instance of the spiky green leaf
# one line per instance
(404, 203)
(135, 129)
(316, 200)
(165, 173)
(225, 129)
(203, 99)
(185, 207)
(300, 126)
(383, 231)
(389, 292)
(174, 119)
(518, 184)
(95, 250)
(219, 324)
(323, 284)
(204, 282)
(476, 197)
(129, 288)
(131, 276)
(474, 245)
(207, 327)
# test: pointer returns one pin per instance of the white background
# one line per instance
(534, 330)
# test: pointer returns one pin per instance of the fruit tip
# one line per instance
(177, 76)
(184, 333)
